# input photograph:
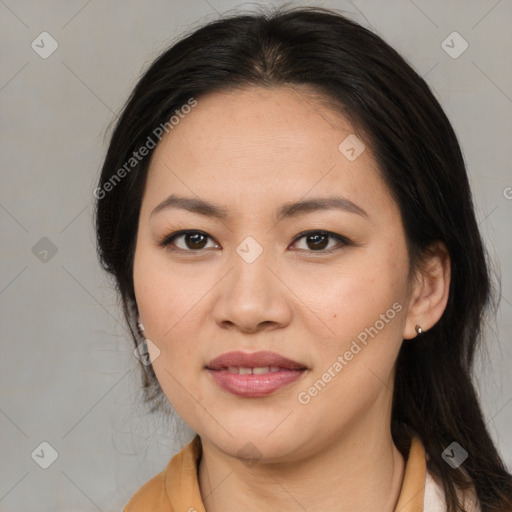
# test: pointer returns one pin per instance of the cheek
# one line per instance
(169, 303)
(345, 298)
(363, 306)
(365, 311)
(163, 293)
(166, 302)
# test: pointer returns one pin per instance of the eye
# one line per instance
(317, 241)
(193, 240)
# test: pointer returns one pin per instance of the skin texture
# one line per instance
(250, 151)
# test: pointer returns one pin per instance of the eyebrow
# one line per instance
(287, 210)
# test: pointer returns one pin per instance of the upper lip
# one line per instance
(253, 360)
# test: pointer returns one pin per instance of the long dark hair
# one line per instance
(419, 157)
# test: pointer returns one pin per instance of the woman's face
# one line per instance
(268, 276)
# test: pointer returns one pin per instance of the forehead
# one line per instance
(275, 142)
(260, 120)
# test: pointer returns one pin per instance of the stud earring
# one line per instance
(139, 324)
(419, 330)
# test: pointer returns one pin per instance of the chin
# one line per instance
(253, 443)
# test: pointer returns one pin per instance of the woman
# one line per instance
(286, 211)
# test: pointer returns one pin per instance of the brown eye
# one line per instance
(186, 241)
(318, 241)
(195, 240)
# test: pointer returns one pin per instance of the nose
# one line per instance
(251, 297)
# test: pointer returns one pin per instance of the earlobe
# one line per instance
(140, 327)
(429, 294)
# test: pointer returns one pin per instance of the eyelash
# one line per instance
(167, 240)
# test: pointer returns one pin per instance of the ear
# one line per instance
(429, 291)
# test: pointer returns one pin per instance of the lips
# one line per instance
(253, 360)
(254, 375)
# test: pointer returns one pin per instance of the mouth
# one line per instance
(258, 370)
(254, 375)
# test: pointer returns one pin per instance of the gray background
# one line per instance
(68, 375)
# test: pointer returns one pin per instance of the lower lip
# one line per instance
(253, 386)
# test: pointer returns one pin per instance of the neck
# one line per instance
(361, 471)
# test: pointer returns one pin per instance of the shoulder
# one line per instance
(434, 497)
(151, 497)
(174, 487)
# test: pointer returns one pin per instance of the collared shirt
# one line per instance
(176, 489)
